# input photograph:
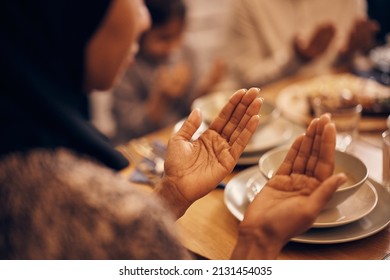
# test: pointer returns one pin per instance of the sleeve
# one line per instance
(78, 209)
(247, 53)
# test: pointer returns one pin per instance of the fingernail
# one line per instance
(328, 115)
(342, 178)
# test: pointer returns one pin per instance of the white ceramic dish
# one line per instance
(269, 136)
(352, 166)
(271, 141)
(353, 209)
(236, 201)
(292, 101)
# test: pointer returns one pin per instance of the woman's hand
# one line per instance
(193, 169)
(293, 198)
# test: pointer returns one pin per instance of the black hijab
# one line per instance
(42, 101)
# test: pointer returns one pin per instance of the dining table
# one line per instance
(210, 230)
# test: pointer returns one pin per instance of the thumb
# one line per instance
(190, 125)
(325, 191)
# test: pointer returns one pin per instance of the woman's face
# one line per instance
(113, 47)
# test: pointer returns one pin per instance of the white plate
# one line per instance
(266, 137)
(292, 101)
(250, 158)
(236, 201)
(354, 208)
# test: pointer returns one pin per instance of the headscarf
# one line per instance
(42, 55)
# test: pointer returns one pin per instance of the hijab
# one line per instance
(42, 101)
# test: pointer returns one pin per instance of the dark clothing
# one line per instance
(42, 101)
(379, 10)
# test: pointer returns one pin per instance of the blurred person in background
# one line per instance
(379, 11)
(158, 89)
(269, 40)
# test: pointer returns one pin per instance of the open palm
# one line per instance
(196, 167)
(293, 198)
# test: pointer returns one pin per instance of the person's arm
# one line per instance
(247, 52)
(293, 198)
(194, 168)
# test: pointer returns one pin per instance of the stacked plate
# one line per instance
(277, 132)
(361, 215)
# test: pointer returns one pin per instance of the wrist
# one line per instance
(170, 194)
(254, 243)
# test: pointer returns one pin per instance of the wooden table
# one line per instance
(210, 230)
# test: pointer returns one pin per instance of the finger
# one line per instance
(324, 192)
(225, 114)
(238, 146)
(190, 125)
(305, 150)
(253, 109)
(287, 165)
(239, 114)
(326, 160)
(317, 143)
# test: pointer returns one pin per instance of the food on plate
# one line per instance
(346, 90)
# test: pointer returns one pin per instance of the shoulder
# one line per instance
(79, 209)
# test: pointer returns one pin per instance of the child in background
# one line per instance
(158, 89)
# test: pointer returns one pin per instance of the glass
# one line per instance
(346, 120)
(386, 159)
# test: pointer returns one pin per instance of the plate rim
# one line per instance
(284, 124)
(304, 238)
(252, 158)
(360, 216)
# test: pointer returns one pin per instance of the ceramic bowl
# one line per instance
(353, 167)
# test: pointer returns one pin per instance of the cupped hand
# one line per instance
(318, 43)
(361, 37)
(293, 198)
(173, 81)
(194, 168)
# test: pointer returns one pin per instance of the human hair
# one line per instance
(162, 11)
